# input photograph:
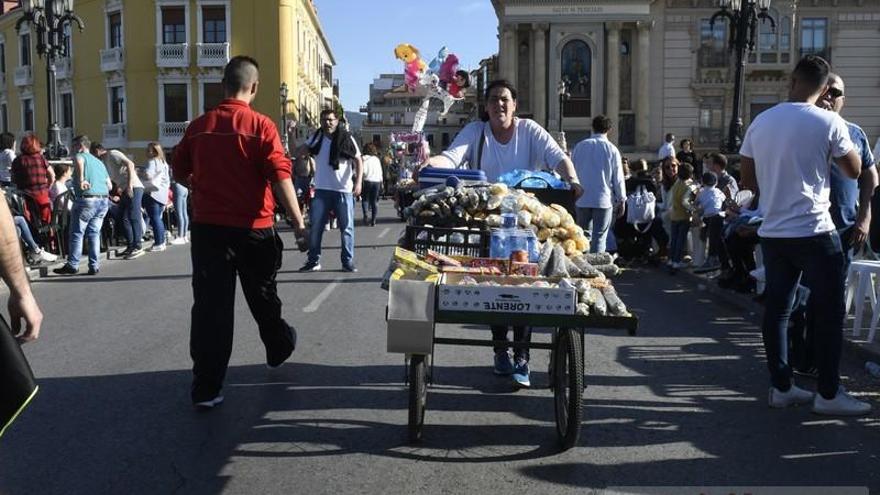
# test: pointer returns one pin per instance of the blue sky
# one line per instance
(363, 34)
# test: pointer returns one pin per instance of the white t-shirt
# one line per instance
(58, 188)
(597, 162)
(792, 144)
(666, 149)
(530, 148)
(372, 169)
(339, 180)
(6, 158)
(710, 200)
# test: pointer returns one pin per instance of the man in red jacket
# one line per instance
(233, 158)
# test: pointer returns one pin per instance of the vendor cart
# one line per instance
(567, 348)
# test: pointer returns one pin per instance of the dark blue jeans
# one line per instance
(154, 213)
(370, 198)
(678, 239)
(132, 220)
(818, 262)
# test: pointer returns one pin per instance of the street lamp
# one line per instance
(562, 91)
(51, 19)
(743, 17)
(284, 137)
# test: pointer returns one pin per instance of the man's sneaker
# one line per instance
(66, 270)
(334, 224)
(778, 399)
(156, 248)
(521, 373)
(46, 256)
(311, 266)
(503, 364)
(135, 253)
(94, 270)
(349, 268)
(209, 404)
(177, 241)
(275, 362)
(842, 404)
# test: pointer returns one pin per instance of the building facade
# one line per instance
(657, 66)
(392, 108)
(143, 69)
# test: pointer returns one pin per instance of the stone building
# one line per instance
(656, 66)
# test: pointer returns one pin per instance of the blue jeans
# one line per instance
(25, 233)
(678, 240)
(370, 198)
(596, 221)
(818, 263)
(131, 217)
(342, 204)
(181, 193)
(154, 212)
(86, 218)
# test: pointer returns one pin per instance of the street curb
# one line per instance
(861, 349)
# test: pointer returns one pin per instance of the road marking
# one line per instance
(384, 231)
(316, 302)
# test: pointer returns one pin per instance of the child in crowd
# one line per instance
(710, 201)
(680, 199)
(63, 174)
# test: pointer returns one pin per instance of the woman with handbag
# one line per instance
(157, 181)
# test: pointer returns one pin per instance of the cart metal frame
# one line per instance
(566, 369)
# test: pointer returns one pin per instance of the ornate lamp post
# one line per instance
(284, 137)
(51, 19)
(743, 17)
(562, 91)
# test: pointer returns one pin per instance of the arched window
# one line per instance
(773, 47)
(577, 76)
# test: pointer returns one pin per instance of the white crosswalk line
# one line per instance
(316, 302)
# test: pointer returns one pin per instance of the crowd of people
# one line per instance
(99, 183)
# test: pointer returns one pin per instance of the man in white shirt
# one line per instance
(785, 160)
(338, 176)
(667, 149)
(598, 163)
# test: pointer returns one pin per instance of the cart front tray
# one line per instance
(628, 323)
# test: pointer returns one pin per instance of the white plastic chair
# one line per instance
(861, 288)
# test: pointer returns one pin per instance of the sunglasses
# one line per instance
(834, 93)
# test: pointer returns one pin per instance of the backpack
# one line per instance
(640, 206)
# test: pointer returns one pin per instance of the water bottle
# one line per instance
(508, 212)
(873, 369)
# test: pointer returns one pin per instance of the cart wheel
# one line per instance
(568, 386)
(418, 395)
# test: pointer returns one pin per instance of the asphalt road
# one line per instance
(682, 403)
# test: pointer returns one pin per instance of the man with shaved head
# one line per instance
(233, 158)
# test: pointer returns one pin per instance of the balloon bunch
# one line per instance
(442, 79)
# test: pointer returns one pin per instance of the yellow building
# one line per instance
(142, 69)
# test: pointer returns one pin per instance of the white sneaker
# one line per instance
(209, 404)
(842, 404)
(47, 256)
(157, 248)
(177, 241)
(795, 395)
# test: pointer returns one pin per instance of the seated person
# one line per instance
(24, 233)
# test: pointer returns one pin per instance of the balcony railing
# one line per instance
(213, 54)
(114, 134)
(175, 55)
(170, 133)
(64, 68)
(112, 59)
(23, 76)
